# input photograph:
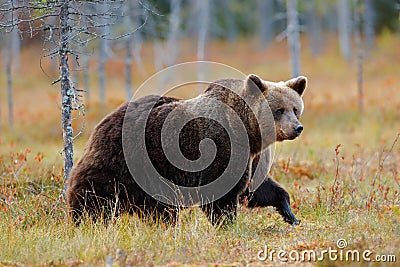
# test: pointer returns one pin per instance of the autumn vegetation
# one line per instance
(343, 172)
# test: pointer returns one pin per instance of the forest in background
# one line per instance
(128, 25)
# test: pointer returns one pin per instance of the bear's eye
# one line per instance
(279, 111)
(295, 111)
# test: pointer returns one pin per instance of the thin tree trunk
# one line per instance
(172, 44)
(15, 44)
(344, 28)
(128, 50)
(103, 50)
(293, 36)
(266, 13)
(369, 22)
(174, 23)
(102, 62)
(314, 28)
(128, 68)
(66, 92)
(357, 16)
(137, 39)
(203, 18)
(10, 100)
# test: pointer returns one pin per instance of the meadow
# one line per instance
(342, 173)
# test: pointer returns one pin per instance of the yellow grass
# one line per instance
(352, 195)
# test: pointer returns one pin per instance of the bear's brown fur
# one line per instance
(101, 182)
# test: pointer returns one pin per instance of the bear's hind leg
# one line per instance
(223, 210)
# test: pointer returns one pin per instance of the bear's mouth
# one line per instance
(292, 137)
(282, 135)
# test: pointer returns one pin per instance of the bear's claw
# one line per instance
(288, 215)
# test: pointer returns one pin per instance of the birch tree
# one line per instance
(103, 51)
(344, 28)
(128, 52)
(360, 51)
(134, 13)
(293, 36)
(203, 18)
(266, 28)
(314, 28)
(369, 22)
(173, 32)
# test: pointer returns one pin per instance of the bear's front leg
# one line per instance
(271, 193)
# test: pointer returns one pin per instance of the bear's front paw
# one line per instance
(286, 212)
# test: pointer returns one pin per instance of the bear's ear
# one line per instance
(254, 83)
(298, 84)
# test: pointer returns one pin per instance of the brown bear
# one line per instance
(156, 155)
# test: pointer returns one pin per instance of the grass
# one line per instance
(349, 191)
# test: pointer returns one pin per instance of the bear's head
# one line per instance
(285, 102)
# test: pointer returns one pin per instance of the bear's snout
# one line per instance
(298, 129)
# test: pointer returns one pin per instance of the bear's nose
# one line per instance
(298, 129)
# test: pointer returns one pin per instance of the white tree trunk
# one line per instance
(314, 29)
(344, 28)
(293, 36)
(102, 63)
(103, 52)
(85, 64)
(266, 13)
(173, 34)
(128, 52)
(360, 51)
(203, 18)
(137, 38)
(369, 23)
